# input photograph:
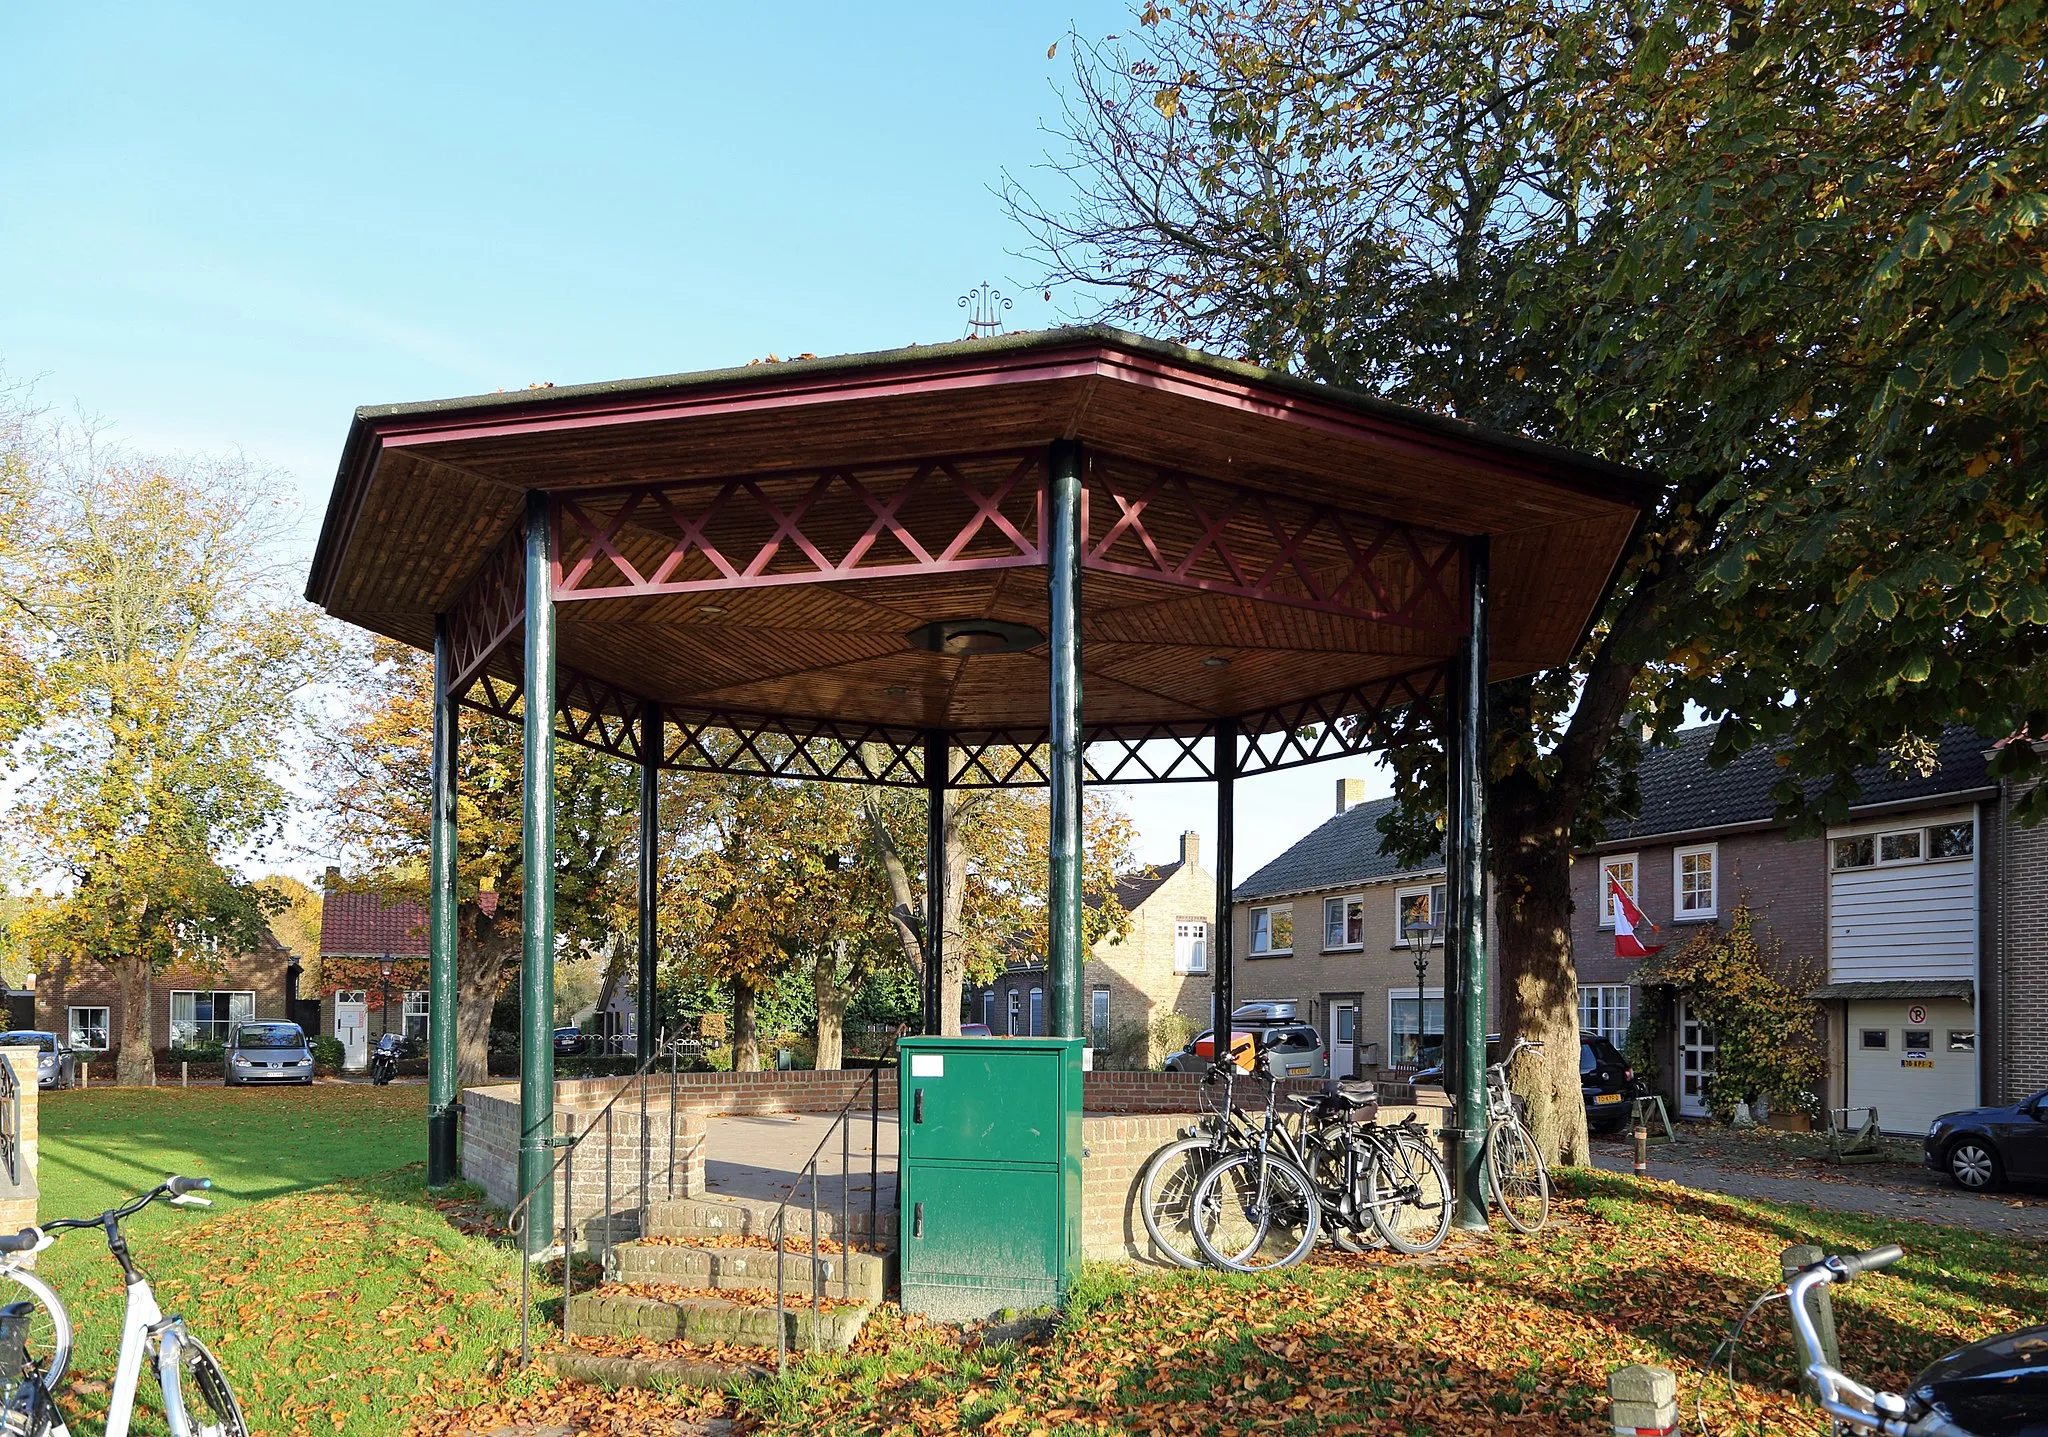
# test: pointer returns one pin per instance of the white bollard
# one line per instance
(1645, 1400)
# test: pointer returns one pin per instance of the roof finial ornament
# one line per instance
(984, 308)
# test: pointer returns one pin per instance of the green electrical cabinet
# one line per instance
(989, 1173)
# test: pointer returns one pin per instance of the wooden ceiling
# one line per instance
(426, 492)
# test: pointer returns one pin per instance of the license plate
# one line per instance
(1606, 1098)
(1297, 1072)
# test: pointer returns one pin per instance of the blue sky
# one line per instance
(223, 227)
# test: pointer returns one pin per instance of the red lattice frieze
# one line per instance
(956, 514)
(1349, 721)
(490, 611)
(1148, 523)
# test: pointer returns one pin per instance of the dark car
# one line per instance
(267, 1053)
(571, 1042)
(1979, 1148)
(56, 1066)
(1606, 1081)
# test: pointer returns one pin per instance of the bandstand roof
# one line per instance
(755, 546)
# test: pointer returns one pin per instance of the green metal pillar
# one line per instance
(645, 1016)
(1220, 946)
(1063, 586)
(443, 1098)
(537, 916)
(934, 881)
(1465, 882)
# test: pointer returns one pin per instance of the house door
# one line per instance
(1344, 1040)
(352, 1027)
(1695, 1062)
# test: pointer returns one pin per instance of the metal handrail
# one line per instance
(779, 1223)
(521, 1216)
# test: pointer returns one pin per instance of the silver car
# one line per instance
(1291, 1050)
(56, 1065)
(268, 1053)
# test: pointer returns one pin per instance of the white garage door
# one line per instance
(1912, 1061)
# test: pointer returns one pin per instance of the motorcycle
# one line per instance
(384, 1058)
(1997, 1387)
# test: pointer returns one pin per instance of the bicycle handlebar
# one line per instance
(172, 1187)
(1841, 1396)
(23, 1241)
(178, 1187)
(1856, 1264)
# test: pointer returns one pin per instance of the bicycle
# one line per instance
(1517, 1181)
(1167, 1185)
(197, 1400)
(1245, 1200)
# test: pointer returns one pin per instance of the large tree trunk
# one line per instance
(952, 958)
(828, 982)
(746, 1033)
(483, 950)
(138, 1043)
(1531, 872)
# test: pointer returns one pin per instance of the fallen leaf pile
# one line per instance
(740, 1296)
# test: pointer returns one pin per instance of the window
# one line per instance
(988, 1010)
(1013, 1013)
(1272, 931)
(208, 1017)
(416, 1015)
(1604, 1011)
(1874, 1039)
(1190, 946)
(1855, 852)
(1916, 1040)
(1098, 1016)
(1038, 1012)
(1620, 870)
(1401, 1023)
(1692, 894)
(1962, 1042)
(1952, 840)
(1343, 923)
(1422, 902)
(1902, 847)
(89, 1029)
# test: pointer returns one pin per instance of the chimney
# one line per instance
(1191, 849)
(333, 877)
(1350, 793)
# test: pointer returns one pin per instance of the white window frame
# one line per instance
(1882, 834)
(1014, 1001)
(1633, 887)
(1679, 912)
(417, 1003)
(105, 1025)
(222, 1029)
(1397, 995)
(1193, 956)
(1612, 999)
(1438, 894)
(1098, 1015)
(1349, 912)
(1927, 842)
(988, 1009)
(1269, 909)
(1035, 1008)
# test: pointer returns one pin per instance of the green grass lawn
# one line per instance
(342, 1298)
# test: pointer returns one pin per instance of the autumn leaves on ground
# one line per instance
(342, 1298)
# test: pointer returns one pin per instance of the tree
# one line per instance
(373, 771)
(151, 667)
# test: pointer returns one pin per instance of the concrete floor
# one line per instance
(762, 1157)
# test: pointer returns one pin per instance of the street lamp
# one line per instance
(1422, 936)
(384, 967)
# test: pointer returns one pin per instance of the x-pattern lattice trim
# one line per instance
(592, 563)
(1349, 721)
(1151, 753)
(1225, 539)
(794, 748)
(490, 611)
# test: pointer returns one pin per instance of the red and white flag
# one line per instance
(1628, 924)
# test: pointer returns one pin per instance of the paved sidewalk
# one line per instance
(1892, 1190)
(760, 1157)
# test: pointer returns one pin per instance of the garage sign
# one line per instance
(1916, 1015)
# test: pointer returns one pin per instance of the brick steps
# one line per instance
(705, 1319)
(703, 1217)
(860, 1275)
(620, 1370)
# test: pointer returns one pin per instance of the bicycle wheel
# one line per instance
(1256, 1212)
(1166, 1195)
(1408, 1194)
(34, 1317)
(1345, 1213)
(1515, 1176)
(197, 1399)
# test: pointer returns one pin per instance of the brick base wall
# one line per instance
(490, 1151)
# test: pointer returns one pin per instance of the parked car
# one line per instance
(1980, 1148)
(571, 1042)
(1606, 1081)
(56, 1064)
(1292, 1049)
(976, 1030)
(267, 1053)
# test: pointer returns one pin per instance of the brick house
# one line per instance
(1160, 965)
(188, 1003)
(1324, 926)
(358, 931)
(1917, 922)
